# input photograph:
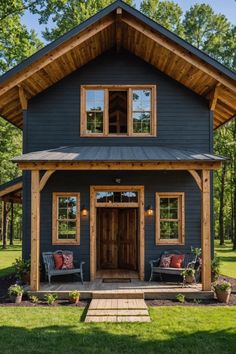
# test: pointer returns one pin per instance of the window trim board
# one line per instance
(55, 240)
(128, 88)
(181, 218)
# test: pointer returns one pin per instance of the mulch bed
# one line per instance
(6, 282)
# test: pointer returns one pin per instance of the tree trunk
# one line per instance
(12, 224)
(4, 225)
(221, 208)
(234, 191)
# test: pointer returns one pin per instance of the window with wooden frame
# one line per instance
(66, 218)
(118, 110)
(170, 218)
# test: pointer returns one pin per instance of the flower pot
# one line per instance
(189, 279)
(16, 299)
(74, 300)
(223, 295)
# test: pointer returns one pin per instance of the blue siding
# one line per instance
(158, 181)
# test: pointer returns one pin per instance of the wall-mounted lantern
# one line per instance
(150, 211)
(84, 211)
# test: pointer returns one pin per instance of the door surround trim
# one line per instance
(93, 223)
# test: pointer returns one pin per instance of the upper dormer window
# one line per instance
(118, 110)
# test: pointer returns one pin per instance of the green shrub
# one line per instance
(34, 299)
(180, 298)
(21, 267)
(50, 298)
(15, 290)
(74, 295)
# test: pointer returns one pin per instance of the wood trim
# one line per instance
(55, 240)
(23, 98)
(93, 223)
(127, 165)
(45, 178)
(11, 189)
(180, 52)
(181, 218)
(214, 97)
(106, 88)
(35, 231)
(197, 178)
(56, 53)
(118, 29)
(206, 231)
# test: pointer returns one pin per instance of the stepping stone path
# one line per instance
(117, 307)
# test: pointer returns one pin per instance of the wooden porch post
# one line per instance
(35, 231)
(206, 231)
(12, 224)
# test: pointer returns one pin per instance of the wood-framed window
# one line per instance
(66, 218)
(118, 110)
(170, 218)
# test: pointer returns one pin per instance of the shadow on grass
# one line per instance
(113, 339)
(5, 272)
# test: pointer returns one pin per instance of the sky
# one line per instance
(226, 7)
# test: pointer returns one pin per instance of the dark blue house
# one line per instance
(118, 117)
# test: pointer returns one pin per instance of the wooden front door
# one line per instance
(117, 238)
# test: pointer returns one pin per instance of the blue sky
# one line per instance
(226, 7)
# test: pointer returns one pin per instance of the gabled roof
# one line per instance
(119, 25)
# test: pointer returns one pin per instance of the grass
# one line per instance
(7, 257)
(181, 330)
(228, 258)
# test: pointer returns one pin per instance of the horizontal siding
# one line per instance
(74, 181)
(53, 117)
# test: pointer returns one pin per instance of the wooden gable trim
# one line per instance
(56, 53)
(11, 189)
(180, 52)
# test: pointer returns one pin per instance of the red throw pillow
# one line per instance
(58, 260)
(165, 261)
(68, 261)
(176, 261)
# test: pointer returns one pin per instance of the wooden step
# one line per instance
(117, 319)
(118, 295)
(117, 310)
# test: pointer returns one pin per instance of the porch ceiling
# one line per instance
(119, 26)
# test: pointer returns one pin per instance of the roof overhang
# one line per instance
(120, 26)
(12, 191)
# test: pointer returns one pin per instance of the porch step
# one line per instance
(117, 310)
(118, 294)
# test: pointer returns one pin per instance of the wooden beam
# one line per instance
(206, 231)
(11, 189)
(118, 29)
(197, 178)
(23, 98)
(35, 231)
(45, 178)
(56, 53)
(77, 165)
(213, 97)
(181, 52)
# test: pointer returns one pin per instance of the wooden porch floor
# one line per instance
(150, 290)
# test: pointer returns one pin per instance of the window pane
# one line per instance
(130, 197)
(117, 197)
(169, 208)
(62, 230)
(62, 213)
(71, 230)
(95, 122)
(141, 122)
(95, 100)
(105, 197)
(169, 230)
(141, 100)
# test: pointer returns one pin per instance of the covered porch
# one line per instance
(44, 164)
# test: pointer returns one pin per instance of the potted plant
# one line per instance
(223, 291)
(50, 298)
(15, 292)
(215, 268)
(189, 275)
(22, 269)
(74, 296)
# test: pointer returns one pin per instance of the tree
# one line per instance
(66, 14)
(16, 44)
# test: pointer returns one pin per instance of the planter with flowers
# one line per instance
(74, 297)
(15, 292)
(223, 291)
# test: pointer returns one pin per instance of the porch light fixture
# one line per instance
(84, 211)
(150, 211)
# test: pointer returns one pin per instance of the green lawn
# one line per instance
(228, 258)
(7, 257)
(182, 330)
